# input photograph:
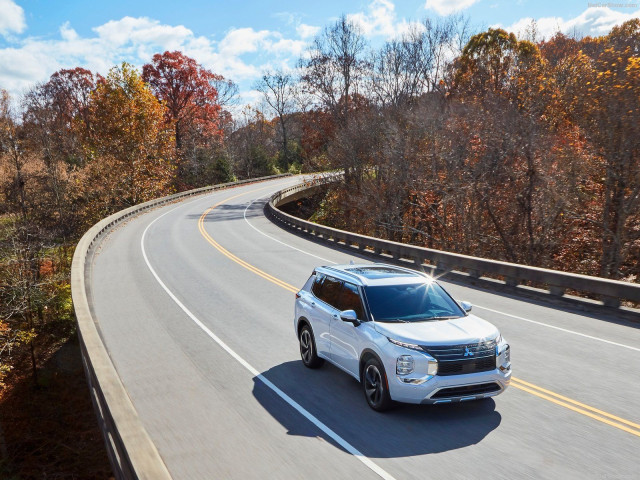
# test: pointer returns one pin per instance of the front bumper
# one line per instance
(449, 389)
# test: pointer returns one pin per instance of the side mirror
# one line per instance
(466, 306)
(349, 316)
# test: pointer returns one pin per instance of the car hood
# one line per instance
(457, 331)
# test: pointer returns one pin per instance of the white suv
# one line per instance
(400, 334)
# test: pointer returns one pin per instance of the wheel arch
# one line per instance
(302, 321)
(364, 356)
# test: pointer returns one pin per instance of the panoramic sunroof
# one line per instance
(378, 272)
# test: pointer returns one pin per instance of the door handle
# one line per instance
(313, 304)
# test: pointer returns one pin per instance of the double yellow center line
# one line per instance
(230, 255)
(578, 407)
(591, 412)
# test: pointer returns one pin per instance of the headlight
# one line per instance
(404, 365)
(410, 346)
(503, 360)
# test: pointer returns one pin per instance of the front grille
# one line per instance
(467, 366)
(461, 359)
(466, 390)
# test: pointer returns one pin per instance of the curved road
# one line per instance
(194, 302)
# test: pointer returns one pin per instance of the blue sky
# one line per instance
(240, 39)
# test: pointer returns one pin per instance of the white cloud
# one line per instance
(68, 33)
(135, 40)
(11, 18)
(307, 31)
(287, 46)
(447, 7)
(380, 20)
(243, 40)
(142, 30)
(594, 21)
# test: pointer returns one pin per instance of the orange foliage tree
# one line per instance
(128, 143)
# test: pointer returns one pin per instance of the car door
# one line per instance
(345, 336)
(325, 289)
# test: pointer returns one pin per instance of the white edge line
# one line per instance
(478, 306)
(561, 329)
(279, 241)
(324, 428)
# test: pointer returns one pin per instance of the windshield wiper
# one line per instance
(444, 317)
(394, 320)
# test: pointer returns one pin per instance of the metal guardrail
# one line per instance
(131, 452)
(610, 292)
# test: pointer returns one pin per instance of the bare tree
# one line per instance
(278, 90)
(400, 69)
(335, 67)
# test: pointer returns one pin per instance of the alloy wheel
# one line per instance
(373, 385)
(306, 346)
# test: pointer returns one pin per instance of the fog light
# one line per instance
(404, 365)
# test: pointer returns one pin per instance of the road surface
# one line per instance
(194, 302)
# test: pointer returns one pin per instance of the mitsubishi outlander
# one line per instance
(400, 334)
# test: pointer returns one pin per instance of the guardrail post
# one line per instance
(608, 301)
(474, 273)
(511, 281)
(556, 291)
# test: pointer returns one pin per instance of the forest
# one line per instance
(481, 143)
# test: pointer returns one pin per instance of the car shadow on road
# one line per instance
(337, 401)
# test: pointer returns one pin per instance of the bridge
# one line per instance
(185, 313)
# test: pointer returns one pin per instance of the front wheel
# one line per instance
(376, 387)
(308, 351)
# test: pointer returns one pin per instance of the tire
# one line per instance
(375, 385)
(308, 351)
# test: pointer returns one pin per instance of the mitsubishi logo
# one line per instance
(467, 352)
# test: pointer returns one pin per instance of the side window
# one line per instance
(350, 300)
(316, 288)
(331, 290)
(327, 289)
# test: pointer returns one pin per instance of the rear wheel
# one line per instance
(308, 351)
(375, 385)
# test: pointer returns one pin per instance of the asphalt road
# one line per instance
(195, 307)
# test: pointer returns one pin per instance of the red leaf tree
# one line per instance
(190, 96)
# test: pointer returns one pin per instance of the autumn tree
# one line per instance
(193, 97)
(28, 298)
(188, 92)
(13, 154)
(127, 141)
(253, 144)
(604, 100)
(52, 114)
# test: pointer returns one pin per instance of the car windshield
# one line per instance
(411, 303)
